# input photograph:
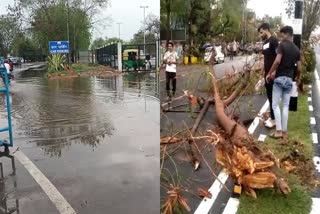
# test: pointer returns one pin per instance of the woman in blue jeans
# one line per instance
(282, 71)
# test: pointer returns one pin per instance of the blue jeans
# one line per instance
(281, 89)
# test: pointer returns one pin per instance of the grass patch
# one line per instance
(299, 200)
(298, 129)
(83, 67)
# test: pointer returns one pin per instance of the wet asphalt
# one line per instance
(95, 139)
(316, 113)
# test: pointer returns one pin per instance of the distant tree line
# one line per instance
(31, 24)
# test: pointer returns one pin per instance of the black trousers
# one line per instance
(171, 76)
(269, 87)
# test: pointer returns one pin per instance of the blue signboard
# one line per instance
(58, 47)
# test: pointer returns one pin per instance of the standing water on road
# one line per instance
(99, 136)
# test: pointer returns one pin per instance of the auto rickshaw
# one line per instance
(132, 59)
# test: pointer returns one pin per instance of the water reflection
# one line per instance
(55, 114)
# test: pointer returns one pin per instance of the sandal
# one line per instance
(274, 136)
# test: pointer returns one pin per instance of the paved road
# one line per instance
(316, 113)
(187, 76)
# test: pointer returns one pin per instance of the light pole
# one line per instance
(297, 30)
(244, 21)
(68, 31)
(119, 24)
(144, 28)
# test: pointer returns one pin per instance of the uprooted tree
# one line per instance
(239, 153)
(236, 150)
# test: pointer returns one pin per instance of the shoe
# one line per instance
(270, 123)
(276, 135)
(168, 99)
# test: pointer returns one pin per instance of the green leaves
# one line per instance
(55, 63)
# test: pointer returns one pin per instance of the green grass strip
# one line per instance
(299, 201)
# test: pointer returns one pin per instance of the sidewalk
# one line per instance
(27, 66)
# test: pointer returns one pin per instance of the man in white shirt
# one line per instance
(170, 60)
(7, 66)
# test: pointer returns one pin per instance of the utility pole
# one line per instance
(245, 21)
(68, 30)
(297, 22)
(297, 31)
(119, 24)
(144, 27)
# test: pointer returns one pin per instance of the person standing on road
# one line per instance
(269, 51)
(234, 45)
(170, 61)
(282, 71)
(230, 47)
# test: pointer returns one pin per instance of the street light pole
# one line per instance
(297, 30)
(119, 23)
(245, 20)
(144, 27)
(68, 31)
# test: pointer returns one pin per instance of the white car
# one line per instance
(220, 55)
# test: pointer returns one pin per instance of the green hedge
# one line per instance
(308, 63)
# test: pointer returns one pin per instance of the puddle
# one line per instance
(55, 114)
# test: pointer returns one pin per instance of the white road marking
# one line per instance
(233, 203)
(256, 120)
(232, 206)
(316, 74)
(315, 138)
(309, 99)
(317, 80)
(54, 195)
(316, 161)
(315, 206)
(215, 189)
(310, 108)
(312, 121)
(206, 203)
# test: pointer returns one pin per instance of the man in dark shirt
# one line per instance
(269, 50)
(282, 71)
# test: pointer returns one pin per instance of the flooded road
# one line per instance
(95, 139)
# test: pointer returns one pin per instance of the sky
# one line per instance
(269, 7)
(128, 12)
(272, 8)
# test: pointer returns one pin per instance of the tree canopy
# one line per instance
(99, 42)
(152, 31)
(55, 20)
(9, 29)
(311, 16)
